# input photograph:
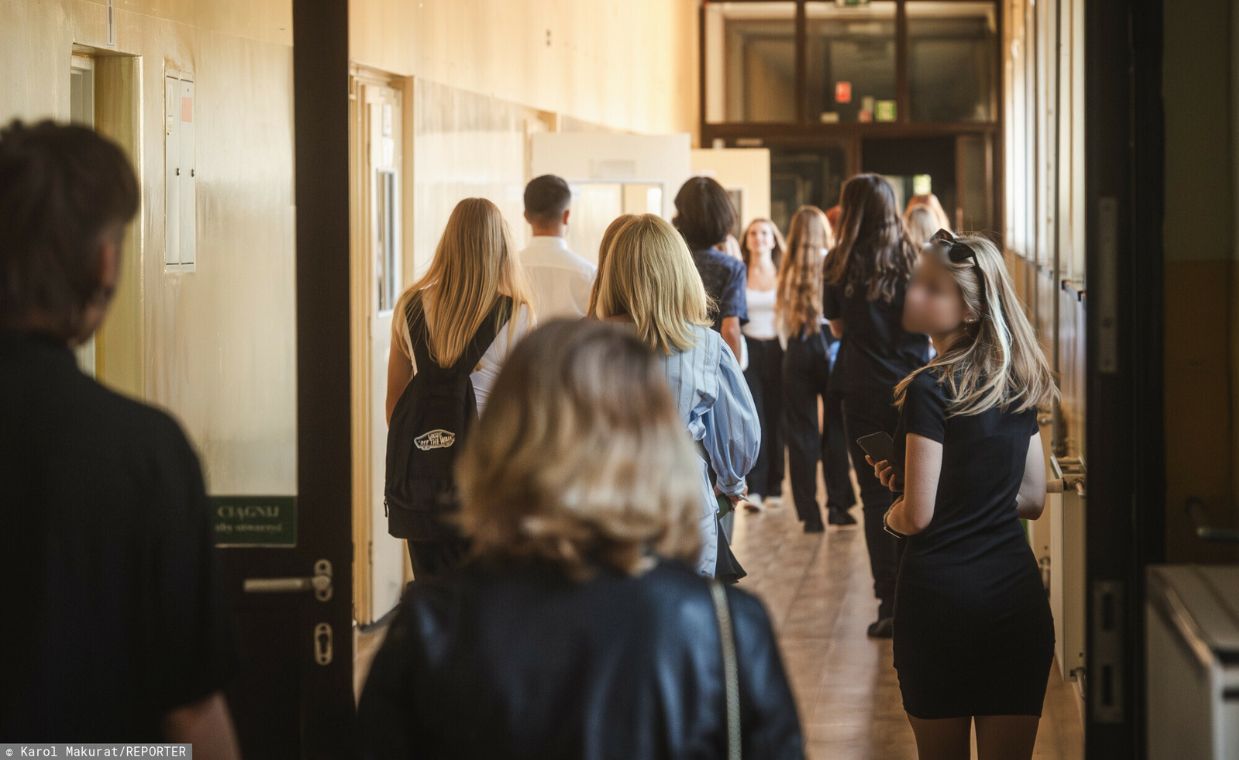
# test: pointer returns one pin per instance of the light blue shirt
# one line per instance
(714, 401)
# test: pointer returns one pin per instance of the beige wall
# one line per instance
(217, 343)
(629, 64)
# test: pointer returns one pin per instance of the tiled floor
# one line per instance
(819, 593)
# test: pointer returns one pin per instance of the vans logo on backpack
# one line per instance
(435, 439)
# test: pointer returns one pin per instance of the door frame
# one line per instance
(1124, 189)
(324, 445)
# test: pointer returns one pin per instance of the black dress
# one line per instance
(973, 632)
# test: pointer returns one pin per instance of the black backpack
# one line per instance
(427, 429)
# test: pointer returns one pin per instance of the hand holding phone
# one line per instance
(880, 451)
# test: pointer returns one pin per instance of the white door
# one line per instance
(610, 175)
(377, 256)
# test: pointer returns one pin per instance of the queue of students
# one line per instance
(564, 489)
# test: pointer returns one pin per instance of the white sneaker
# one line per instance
(773, 502)
(753, 502)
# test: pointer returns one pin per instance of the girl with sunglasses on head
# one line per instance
(973, 637)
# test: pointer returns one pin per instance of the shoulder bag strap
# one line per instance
(731, 674)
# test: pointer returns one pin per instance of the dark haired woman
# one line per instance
(867, 275)
(704, 216)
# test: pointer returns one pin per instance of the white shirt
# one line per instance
(560, 281)
(761, 314)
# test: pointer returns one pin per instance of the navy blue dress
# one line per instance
(973, 632)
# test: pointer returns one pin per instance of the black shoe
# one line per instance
(814, 527)
(882, 628)
(839, 517)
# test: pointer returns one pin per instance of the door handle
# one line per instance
(320, 583)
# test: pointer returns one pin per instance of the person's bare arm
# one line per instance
(731, 334)
(922, 468)
(836, 328)
(1031, 498)
(206, 726)
(399, 373)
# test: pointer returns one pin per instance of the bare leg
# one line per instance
(1006, 737)
(942, 738)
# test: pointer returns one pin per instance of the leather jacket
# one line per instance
(515, 660)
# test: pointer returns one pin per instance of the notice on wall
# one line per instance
(254, 521)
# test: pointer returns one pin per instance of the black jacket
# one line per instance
(517, 661)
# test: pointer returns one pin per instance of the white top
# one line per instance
(487, 371)
(492, 361)
(560, 281)
(761, 324)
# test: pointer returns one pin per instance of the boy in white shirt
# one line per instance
(560, 281)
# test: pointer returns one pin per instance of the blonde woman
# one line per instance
(921, 223)
(579, 629)
(649, 280)
(762, 249)
(473, 287)
(973, 633)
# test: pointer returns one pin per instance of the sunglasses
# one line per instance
(956, 251)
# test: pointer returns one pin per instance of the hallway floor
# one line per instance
(819, 593)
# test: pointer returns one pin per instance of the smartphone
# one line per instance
(878, 445)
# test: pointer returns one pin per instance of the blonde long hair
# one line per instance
(581, 457)
(473, 265)
(604, 247)
(798, 304)
(649, 276)
(997, 362)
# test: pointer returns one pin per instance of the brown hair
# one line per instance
(62, 190)
(703, 213)
(546, 198)
(799, 301)
(580, 409)
(874, 252)
(780, 245)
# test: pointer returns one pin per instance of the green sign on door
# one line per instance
(254, 520)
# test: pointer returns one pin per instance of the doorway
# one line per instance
(104, 94)
(379, 242)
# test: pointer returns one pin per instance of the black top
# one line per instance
(725, 278)
(112, 613)
(877, 352)
(983, 458)
(517, 661)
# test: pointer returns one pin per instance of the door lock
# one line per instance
(320, 583)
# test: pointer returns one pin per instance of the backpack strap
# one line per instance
(419, 336)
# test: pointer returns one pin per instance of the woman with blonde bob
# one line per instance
(973, 635)
(473, 277)
(579, 495)
(650, 281)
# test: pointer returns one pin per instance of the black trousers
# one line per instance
(765, 379)
(806, 370)
(862, 416)
(835, 466)
(432, 559)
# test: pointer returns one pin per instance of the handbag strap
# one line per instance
(731, 674)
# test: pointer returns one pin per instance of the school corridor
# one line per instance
(498, 378)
